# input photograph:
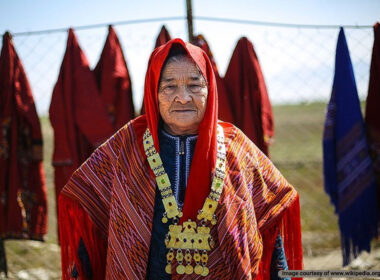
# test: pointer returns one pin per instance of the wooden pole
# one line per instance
(190, 21)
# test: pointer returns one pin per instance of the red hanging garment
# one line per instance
(246, 88)
(77, 114)
(372, 118)
(163, 37)
(225, 112)
(23, 204)
(114, 82)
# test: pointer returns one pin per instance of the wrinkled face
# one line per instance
(182, 96)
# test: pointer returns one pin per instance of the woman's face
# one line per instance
(182, 96)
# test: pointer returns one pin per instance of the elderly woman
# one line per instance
(177, 194)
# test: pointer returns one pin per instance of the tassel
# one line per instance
(289, 226)
(77, 232)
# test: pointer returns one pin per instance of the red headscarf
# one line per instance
(246, 88)
(198, 186)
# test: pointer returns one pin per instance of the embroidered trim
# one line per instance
(175, 186)
(188, 143)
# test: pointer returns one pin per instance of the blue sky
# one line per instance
(24, 15)
(308, 58)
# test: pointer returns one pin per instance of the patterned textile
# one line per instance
(348, 173)
(113, 189)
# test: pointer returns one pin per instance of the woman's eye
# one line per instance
(195, 88)
(169, 89)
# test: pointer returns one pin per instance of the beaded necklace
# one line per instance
(188, 242)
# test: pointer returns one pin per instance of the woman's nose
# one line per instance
(183, 95)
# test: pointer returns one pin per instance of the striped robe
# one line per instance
(108, 204)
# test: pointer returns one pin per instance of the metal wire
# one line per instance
(200, 18)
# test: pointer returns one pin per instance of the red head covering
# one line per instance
(245, 84)
(198, 186)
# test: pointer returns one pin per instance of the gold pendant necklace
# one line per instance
(188, 243)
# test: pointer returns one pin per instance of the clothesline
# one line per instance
(201, 18)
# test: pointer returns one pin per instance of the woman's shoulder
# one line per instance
(241, 151)
(235, 138)
(126, 135)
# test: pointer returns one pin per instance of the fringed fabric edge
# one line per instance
(80, 240)
(289, 226)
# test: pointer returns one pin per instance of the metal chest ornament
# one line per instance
(189, 243)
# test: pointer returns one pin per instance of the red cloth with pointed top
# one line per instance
(246, 89)
(77, 114)
(225, 109)
(23, 203)
(163, 37)
(372, 118)
(114, 82)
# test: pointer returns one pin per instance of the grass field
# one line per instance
(297, 152)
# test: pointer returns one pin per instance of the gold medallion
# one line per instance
(180, 269)
(197, 257)
(168, 268)
(188, 257)
(189, 269)
(205, 271)
(170, 256)
(164, 220)
(198, 269)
